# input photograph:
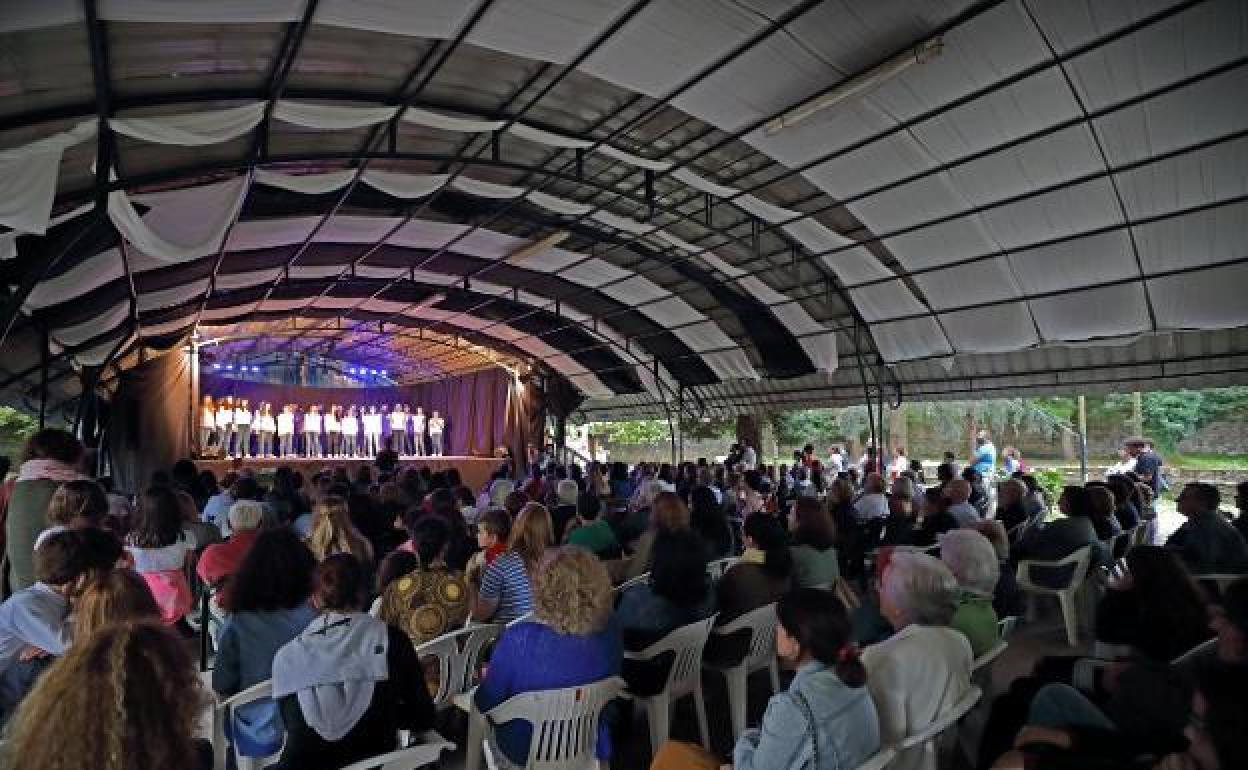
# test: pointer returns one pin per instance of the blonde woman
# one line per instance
(567, 644)
(333, 532)
(507, 583)
(132, 696)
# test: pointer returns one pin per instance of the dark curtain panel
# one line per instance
(526, 419)
(148, 425)
(473, 405)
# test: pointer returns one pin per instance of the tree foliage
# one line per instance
(15, 427)
(1169, 416)
(633, 431)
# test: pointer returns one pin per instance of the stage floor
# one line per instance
(474, 471)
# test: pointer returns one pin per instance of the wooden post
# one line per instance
(1137, 412)
(1083, 438)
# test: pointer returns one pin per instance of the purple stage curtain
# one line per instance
(148, 426)
(474, 405)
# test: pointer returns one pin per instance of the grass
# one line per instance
(1208, 462)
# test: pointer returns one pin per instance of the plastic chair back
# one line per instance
(930, 737)
(635, 581)
(404, 759)
(878, 761)
(762, 624)
(716, 569)
(686, 643)
(565, 722)
(457, 654)
(1005, 626)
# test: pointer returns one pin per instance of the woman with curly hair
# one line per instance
(115, 596)
(130, 693)
(568, 643)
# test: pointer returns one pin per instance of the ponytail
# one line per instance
(818, 622)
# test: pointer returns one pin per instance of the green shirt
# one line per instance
(595, 536)
(976, 618)
(812, 567)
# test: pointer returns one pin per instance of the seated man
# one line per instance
(594, 533)
(34, 622)
(958, 493)
(1207, 542)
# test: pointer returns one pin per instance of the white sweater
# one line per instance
(915, 676)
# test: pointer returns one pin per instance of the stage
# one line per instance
(474, 471)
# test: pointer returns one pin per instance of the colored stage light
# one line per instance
(229, 367)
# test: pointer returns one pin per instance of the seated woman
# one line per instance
(762, 576)
(707, 519)
(569, 642)
(825, 720)
(669, 514)
(133, 697)
(115, 596)
(507, 583)
(815, 561)
(267, 606)
(1154, 607)
(973, 562)
(1057, 539)
(333, 532)
(348, 683)
(432, 599)
(678, 593)
(925, 667)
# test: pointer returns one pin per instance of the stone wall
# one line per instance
(1219, 437)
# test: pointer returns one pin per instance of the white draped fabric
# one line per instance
(183, 224)
(28, 176)
(330, 116)
(192, 129)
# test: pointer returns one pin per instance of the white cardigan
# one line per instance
(914, 676)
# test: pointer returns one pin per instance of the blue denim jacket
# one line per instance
(845, 726)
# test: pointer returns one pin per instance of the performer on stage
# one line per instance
(242, 428)
(225, 425)
(333, 432)
(418, 431)
(351, 432)
(398, 429)
(312, 432)
(207, 424)
(436, 424)
(286, 431)
(265, 428)
(372, 431)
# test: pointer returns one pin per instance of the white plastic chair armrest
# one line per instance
(879, 761)
(1083, 676)
(944, 721)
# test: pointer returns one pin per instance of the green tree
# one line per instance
(15, 427)
(633, 431)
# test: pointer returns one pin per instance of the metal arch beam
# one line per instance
(362, 157)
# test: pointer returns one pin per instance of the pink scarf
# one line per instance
(47, 470)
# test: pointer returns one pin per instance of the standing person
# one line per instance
(436, 425)
(418, 431)
(1013, 462)
(372, 432)
(312, 423)
(51, 457)
(286, 431)
(225, 426)
(333, 431)
(242, 426)
(207, 424)
(409, 446)
(749, 455)
(1147, 463)
(836, 461)
(984, 457)
(398, 429)
(899, 465)
(351, 432)
(266, 426)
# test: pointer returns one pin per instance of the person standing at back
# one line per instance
(984, 456)
(1147, 462)
(51, 457)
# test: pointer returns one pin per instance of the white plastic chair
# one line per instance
(635, 581)
(716, 569)
(879, 760)
(989, 656)
(1221, 579)
(222, 713)
(1066, 595)
(409, 758)
(761, 654)
(936, 739)
(685, 678)
(1083, 676)
(1006, 625)
(458, 654)
(565, 726)
(374, 609)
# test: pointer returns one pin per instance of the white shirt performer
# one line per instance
(242, 428)
(418, 431)
(286, 432)
(372, 432)
(350, 433)
(436, 424)
(312, 432)
(398, 429)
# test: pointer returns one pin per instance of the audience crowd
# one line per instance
(887, 586)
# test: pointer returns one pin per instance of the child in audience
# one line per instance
(161, 551)
(34, 622)
(75, 505)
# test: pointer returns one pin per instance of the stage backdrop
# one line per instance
(474, 405)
